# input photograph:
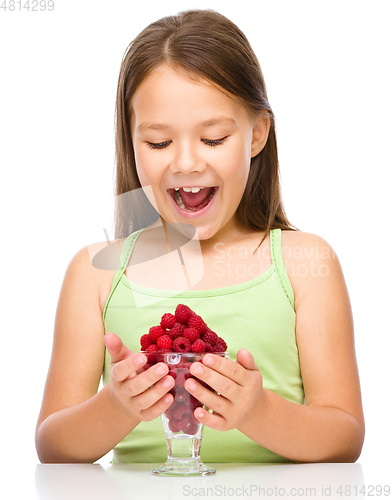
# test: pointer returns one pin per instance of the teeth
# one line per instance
(190, 190)
(178, 199)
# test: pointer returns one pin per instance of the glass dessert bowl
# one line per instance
(183, 432)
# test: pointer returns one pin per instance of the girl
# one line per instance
(196, 139)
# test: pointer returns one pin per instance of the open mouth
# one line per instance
(192, 199)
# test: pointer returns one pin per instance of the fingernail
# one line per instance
(167, 398)
(192, 386)
(159, 370)
(139, 360)
(199, 413)
(208, 360)
(167, 383)
(198, 369)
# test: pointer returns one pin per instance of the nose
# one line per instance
(186, 159)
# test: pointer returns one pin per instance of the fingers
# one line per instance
(143, 389)
(245, 359)
(233, 381)
(117, 350)
(222, 374)
(146, 395)
(219, 403)
(155, 398)
(211, 420)
(238, 387)
(159, 407)
(146, 379)
(127, 368)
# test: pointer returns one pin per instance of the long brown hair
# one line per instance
(208, 46)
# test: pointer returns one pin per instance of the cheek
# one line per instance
(238, 162)
(143, 167)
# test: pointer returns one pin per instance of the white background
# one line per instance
(327, 70)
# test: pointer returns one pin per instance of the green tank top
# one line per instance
(257, 315)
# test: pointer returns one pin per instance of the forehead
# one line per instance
(167, 94)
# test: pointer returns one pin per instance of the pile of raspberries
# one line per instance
(183, 331)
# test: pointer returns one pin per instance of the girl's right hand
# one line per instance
(144, 396)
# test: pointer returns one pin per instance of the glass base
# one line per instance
(176, 467)
(183, 458)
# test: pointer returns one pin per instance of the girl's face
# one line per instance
(189, 135)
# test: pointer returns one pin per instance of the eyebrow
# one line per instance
(220, 120)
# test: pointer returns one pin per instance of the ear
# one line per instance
(260, 133)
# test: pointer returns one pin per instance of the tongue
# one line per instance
(194, 199)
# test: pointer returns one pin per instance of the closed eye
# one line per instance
(214, 143)
(158, 145)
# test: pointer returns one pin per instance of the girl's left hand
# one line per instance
(240, 387)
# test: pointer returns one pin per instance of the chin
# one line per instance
(205, 233)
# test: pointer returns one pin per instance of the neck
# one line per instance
(231, 233)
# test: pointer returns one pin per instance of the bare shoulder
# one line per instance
(95, 266)
(317, 279)
(305, 245)
(307, 258)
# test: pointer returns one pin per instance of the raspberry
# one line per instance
(183, 313)
(176, 331)
(191, 334)
(173, 425)
(169, 411)
(191, 428)
(193, 420)
(145, 341)
(165, 342)
(180, 410)
(185, 424)
(152, 348)
(220, 346)
(194, 403)
(151, 352)
(198, 346)
(168, 320)
(155, 332)
(198, 323)
(182, 396)
(210, 337)
(181, 345)
(180, 379)
(209, 347)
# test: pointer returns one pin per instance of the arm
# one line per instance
(77, 424)
(330, 427)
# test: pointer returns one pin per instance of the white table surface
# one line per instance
(135, 481)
